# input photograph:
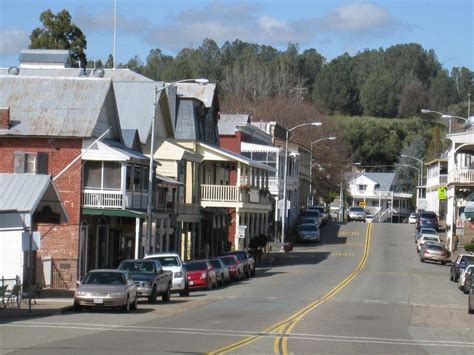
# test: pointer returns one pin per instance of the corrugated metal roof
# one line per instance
(60, 107)
(227, 123)
(125, 75)
(25, 192)
(49, 56)
(204, 93)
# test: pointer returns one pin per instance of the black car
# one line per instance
(427, 219)
(460, 264)
(247, 260)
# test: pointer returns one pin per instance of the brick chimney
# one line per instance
(4, 117)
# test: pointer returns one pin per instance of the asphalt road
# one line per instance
(363, 290)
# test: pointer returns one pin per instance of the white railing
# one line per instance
(461, 176)
(437, 180)
(102, 199)
(220, 193)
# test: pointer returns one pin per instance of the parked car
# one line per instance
(306, 220)
(424, 231)
(201, 274)
(222, 271)
(369, 218)
(308, 233)
(322, 212)
(459, 265)
(427, 219)
(470, 304)
(150, 278)
(413, 217)
(434, 252)
(247, 260)
(314, 214)
(106, 288)
(356, 214)
(172, 262)
(468, 283)
(466, 278)
(426, 238)
(236, 268)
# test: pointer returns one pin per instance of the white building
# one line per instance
(436, 179)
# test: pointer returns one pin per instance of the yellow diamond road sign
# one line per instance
(442, 193)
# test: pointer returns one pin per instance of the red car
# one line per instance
(236, 268)
(201, 274)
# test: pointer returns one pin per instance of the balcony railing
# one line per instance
(461, 176)
(437, 180)
(102, 199)
(232, 194)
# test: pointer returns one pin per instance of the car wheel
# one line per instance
(166, 296)
(451, 278)
(185, 292)
(422, 260)
(443, 263)
(77, 307)
(152, 297)
(126, 306)
(470, 310)
(456, 278)
(134, 305)
(222, 280)
(253, 272)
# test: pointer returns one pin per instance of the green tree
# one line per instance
(435, 146)
(443, 91)
(109, 63)
(58, 32)
(377, 96)
(413, 98)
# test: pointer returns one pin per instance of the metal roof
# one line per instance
(26, 192)
(204, 93)
(227, 123)
(125, 75)
(385, 180)
(59, 107)
(58, 56)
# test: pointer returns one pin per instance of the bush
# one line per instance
(259, 241)
(469, 247)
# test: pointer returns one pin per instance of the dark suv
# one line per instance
(457, 267)
(427, 219)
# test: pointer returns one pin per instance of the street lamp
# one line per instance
(450, 117)
(152, 147)
(332, 138)
(285, 172)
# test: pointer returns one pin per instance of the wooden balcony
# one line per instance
(228, 196)
(116, 199)
(461, 176)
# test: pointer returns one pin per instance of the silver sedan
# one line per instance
(106, 288)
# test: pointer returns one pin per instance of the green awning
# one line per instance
(112, 212)
(468, 215)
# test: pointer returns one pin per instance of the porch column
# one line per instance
(199, 239)
(239, 174)
(160, 244)
(168, 223)
(137, 237)
(248, 173)
(193, 241)
(265, 227)
(183, 240)
(236, 235)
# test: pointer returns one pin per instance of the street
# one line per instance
(362, 290)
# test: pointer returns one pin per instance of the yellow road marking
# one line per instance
(285, 327)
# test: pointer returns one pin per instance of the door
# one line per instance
(102, 254)
(83, 249)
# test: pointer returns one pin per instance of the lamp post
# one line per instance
(152, 147)
(450, 117)
(332, 138)
(285, 171)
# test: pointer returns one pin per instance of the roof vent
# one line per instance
(13, 70)
(98, 72)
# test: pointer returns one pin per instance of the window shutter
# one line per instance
(19, 167)
(42, 163)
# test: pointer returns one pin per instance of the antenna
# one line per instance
(115, 29)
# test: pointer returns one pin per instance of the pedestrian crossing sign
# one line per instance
(442, 193)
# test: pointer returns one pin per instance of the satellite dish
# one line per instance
(13, 70)
(98, 72)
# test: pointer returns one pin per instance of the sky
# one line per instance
(332, 27)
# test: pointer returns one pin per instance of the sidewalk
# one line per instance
(51, 302)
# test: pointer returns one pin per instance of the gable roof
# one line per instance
(28, 192)
(59, 107)
(385, 180)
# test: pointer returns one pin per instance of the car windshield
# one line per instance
(429, 231)
(196, 266)
(467, 259)
(434, 247)
(356, 209)
(430, 238)
(216, 263)
(413, 215)
(239, 255)
(168, 260)
(227, 260)
(137, 266)
(429, 215)
(104, 278)
(308, 228)
(311, 213)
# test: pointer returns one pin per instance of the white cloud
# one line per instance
(358, 17)
(13, 41)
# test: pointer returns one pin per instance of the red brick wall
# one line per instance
(231, 143)
(59, 241)
(4, 118)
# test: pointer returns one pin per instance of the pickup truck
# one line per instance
(150, 278)
(172, 262)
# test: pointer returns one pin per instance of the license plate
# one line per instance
(191, 283)
(98, 301)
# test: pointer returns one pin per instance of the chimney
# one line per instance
(4, 117)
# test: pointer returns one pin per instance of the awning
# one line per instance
(168, 180)
(112, 212)
(258, 148)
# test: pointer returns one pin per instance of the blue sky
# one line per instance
(332, 27)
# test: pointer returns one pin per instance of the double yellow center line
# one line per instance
(280, 345)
